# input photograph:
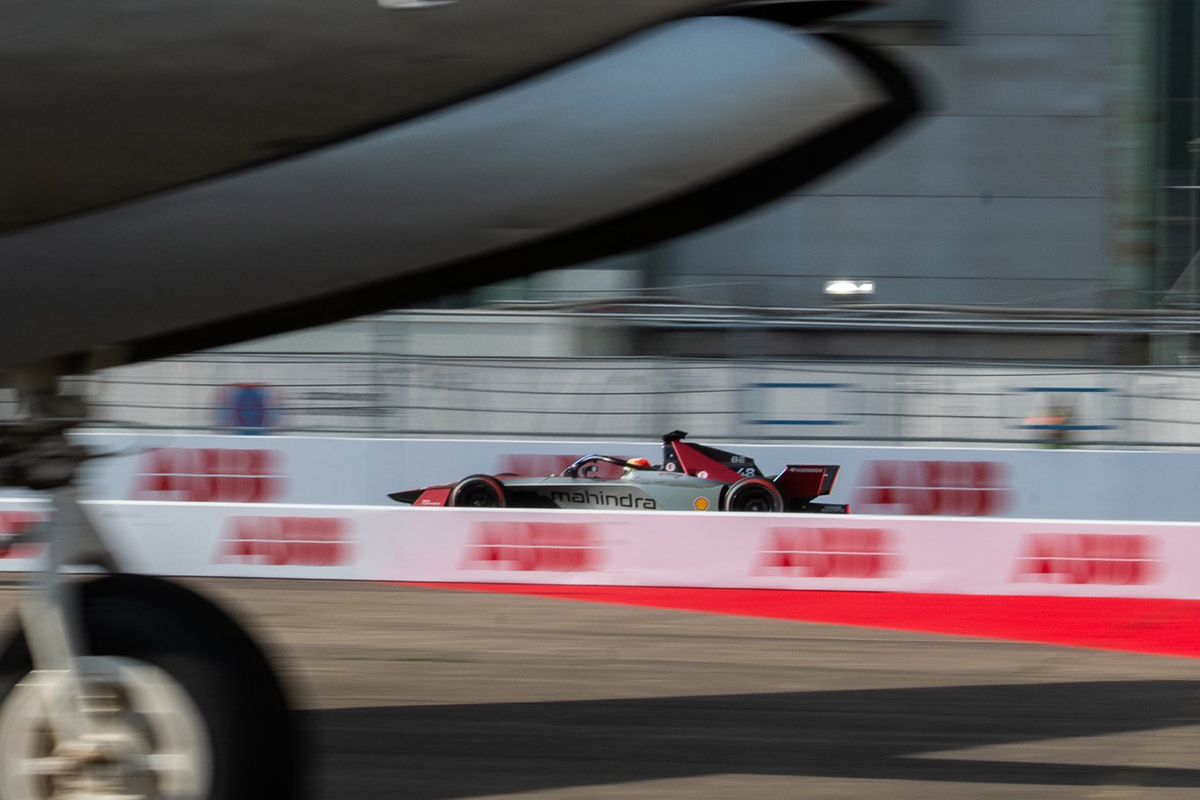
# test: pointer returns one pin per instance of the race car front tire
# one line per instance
(478, 491)
(753, 495)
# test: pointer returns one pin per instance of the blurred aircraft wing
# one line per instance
(198, 188)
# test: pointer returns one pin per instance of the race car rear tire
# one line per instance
(478, 491)
(753, 495)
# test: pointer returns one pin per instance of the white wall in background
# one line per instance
(1014, 483)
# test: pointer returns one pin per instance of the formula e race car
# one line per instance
(691, 477)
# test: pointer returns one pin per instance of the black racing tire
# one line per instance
(253, 739)
(753, 495)
(478, 491)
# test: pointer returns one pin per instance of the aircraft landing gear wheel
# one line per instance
(181, 702)
(150, 740)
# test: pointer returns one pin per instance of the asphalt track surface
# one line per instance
(420, 693)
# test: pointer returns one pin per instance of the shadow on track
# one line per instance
(435, 752)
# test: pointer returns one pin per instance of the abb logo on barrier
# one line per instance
(210, 475)
(12, 525)
(828, 553)
(534, 547)
(934, 488)
(1089, 558)
(286, 542)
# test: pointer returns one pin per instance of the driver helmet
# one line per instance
(638, 463)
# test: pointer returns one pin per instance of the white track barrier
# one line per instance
(851, 553)
(1019, 484)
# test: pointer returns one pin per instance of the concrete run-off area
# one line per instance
(431, 694)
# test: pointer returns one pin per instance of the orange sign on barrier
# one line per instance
(210, 475)
(828, 553)
(285, 541)
(534, 547)
(1089, 558)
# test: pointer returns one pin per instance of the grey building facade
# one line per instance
(1008, 190)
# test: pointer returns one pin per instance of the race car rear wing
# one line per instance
(798, 483)
(706, 462)
(806, 481)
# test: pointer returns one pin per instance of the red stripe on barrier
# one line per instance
(1158, 627)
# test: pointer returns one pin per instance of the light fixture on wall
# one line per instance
(844, 288)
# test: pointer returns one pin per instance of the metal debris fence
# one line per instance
(920, 404)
